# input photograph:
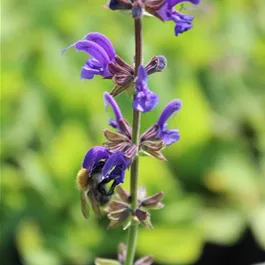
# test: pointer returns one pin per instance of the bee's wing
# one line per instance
(84, 205)
(94, 202)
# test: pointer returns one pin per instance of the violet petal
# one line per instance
(103, 42)
(88, 73)
(145, 101)
(169, 110)
(93, 156)
(109, 100)
(115, 167)
(169, 136)
(94, 50)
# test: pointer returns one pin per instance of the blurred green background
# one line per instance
(214, 178)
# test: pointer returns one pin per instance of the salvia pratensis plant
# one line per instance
(103, 169)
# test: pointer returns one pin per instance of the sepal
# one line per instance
(120, 212)
(154, 201)
(156, 64)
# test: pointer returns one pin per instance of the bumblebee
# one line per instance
(93, 189)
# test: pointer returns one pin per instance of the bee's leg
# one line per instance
(101, 186)
(112, 188)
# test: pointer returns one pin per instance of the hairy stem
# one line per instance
(133, 229)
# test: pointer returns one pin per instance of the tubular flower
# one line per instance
(101, 51)
(158, 136)
(99, 167)
(122, 139)
(145, 100)
(168, 136)
(183, 22)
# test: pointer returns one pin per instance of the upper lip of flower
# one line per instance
(93, 156)
(171, 108)
(168, 136)
(120, 124)
(113, 167)
(120, 141)
(104, 42)
(109, 100)
(157, 136)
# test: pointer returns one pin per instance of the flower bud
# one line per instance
(157, 64)
(137, 9)
(119, 4)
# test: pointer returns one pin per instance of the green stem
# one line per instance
(133, 229)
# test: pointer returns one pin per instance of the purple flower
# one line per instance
(94, 157)
(120, 141)
(104, 167)
(101, 51)
(145, 100)
(114, 168)
(168, 136)
(119, 123)
(110, 101)
(183, 22)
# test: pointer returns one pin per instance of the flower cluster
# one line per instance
(108, 163)
(151, 142)
(162, 9)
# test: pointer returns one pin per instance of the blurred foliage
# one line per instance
(214, 180)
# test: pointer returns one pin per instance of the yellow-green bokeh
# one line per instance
(214, 178)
